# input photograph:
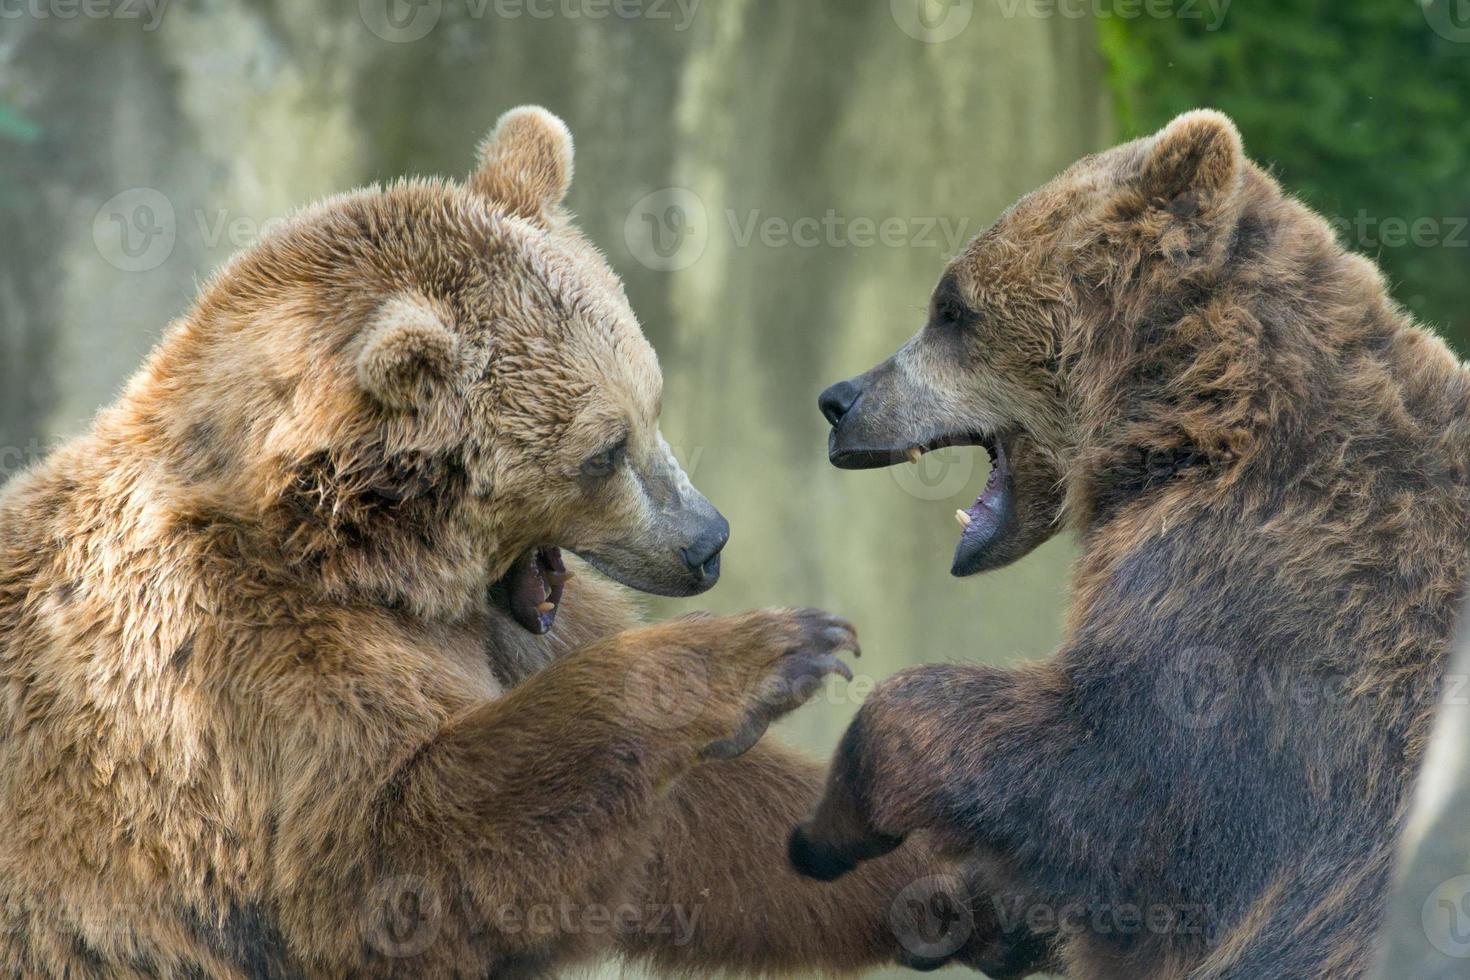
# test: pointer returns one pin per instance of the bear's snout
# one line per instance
(838, 400)
(702, 555)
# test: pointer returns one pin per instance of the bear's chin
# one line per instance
(531, 591)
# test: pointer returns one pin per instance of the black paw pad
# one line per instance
(817, 859)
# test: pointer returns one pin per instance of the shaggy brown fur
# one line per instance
(260, 718)
(1268, 465)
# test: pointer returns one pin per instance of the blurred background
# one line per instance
(779, 184)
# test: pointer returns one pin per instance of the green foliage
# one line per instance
(1362, 109)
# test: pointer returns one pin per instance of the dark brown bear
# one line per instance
(1266, 461)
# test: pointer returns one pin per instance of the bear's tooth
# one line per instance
(545, 607)
(962, 517)
(915, 454)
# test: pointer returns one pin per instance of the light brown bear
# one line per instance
(294, 681)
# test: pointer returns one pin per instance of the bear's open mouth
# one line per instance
(993, 515)
(991, 522)
(531, 591)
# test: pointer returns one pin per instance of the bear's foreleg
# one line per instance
(522, 820)
(969, 754)
(726, 898)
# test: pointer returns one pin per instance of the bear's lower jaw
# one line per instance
(531, 591)
(990, 520)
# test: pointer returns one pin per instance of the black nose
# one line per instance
(838, 400)
(702, 555)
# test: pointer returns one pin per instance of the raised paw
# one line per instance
(792, 653)
(882, 778)
(842, 833)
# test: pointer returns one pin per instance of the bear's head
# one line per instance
(1088, 338)
(425, 391)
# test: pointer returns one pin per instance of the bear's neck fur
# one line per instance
(1259, 348)
(347, 522)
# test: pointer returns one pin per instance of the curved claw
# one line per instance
(744, 739)
(796, 678)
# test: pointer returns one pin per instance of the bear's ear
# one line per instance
(1194, 165)
(526, 162)
(406, 353)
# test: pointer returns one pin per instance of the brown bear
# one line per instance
(1267, 463)
(296, 679)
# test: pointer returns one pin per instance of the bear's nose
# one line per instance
(702, 555)
(838, 400)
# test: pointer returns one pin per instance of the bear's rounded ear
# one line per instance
(1194, 165)
(526, 162)
(406, 353)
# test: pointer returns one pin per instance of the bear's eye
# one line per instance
(950, 311)
(603, 464)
